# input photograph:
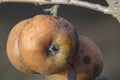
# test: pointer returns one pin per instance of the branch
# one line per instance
(112, 9)
(85, 4)
(89, 5)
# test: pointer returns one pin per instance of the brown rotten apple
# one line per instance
(42, 44)
(88, 62)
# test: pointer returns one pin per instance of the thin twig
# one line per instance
(93, 6)
(85, 4)
(112, 9)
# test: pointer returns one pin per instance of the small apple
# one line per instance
(44, 44)
(88, 62)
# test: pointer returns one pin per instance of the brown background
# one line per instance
(103, 29)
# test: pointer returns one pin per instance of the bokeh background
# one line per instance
(103, 29)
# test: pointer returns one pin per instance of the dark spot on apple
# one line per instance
(52, 50)
(86, 60)
(65, 26)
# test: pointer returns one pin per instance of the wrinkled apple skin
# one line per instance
(88, 62)
(45, 44)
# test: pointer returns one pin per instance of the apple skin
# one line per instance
(88, 63)
(13, 51)
(45, 44)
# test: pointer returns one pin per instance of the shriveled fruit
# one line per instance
(45, 44)
(88, 62)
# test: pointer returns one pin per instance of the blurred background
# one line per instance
(103, 29)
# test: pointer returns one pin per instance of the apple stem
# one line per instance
(53, 10)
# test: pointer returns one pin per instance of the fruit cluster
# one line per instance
(50, 45)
